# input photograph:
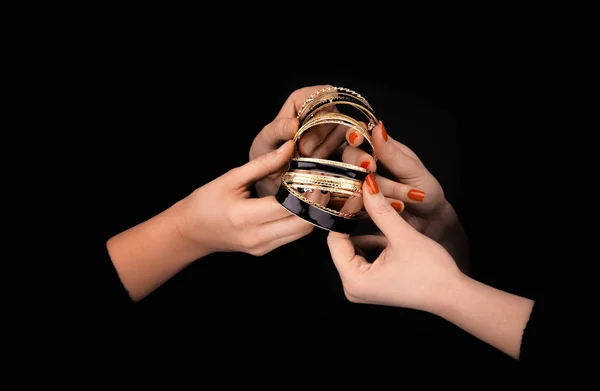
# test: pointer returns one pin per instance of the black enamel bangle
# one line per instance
(329, 167)
(314, 215)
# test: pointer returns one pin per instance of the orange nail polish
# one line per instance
(384, 132)
(398, 206)
(416, 195)
(372, 184)
(365, 164)
(352, 137)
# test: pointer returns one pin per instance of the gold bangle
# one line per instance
(340, 119)
(334, 90)
(329, 183)
(328, 100)
(318, 206)
(331, 163)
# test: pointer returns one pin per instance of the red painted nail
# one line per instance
(399, 206)
(352, 137)
(416, 195)
(372, 184)
(384, 132)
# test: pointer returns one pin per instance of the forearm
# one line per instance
(147, 255)
(494, 316)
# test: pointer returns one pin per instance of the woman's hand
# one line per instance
(218, 216)
(412, 190)
(414, 271)
(221, 217)
(320, 142)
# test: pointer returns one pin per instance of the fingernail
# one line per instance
(352, 137)
(372, 184)
(365, 164)
(383, 132)
(398, 206)
(416, 195)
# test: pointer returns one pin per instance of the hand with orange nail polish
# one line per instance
(413, 191)
(410, 270)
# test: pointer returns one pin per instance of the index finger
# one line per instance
(293, 103)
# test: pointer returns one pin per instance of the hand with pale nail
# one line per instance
(219, 216)
(411, 190)
(320, 142)
(411, 270)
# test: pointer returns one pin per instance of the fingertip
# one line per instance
(337, 235)
(398, 206)
(354, 138)
(284, 147)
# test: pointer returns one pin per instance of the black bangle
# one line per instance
(313, 215)
(329, 168)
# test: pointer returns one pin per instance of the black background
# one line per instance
(168, 122)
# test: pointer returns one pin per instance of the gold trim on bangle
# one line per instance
(329, 183)
(333, 100)
(327, 91)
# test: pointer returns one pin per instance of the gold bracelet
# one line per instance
(331, 163)
(329, 183)
(328, 100)
(318, 206)
(340, 119)
(332, 90)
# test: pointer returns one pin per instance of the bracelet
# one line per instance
(328, 193)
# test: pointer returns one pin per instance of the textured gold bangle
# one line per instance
(329, 183)
(328, 100)
(327, 90)
(334, 192)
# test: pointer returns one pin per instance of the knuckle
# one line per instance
(236, 220)
(353, 291)
(383, 208)
(249, 242)
(257, 251)
(397, 190)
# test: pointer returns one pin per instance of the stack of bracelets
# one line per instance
(328, 193)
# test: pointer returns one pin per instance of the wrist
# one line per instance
(444, 301)
(492, 315)
(187, 234)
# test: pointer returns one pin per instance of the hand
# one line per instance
(221, 217)
(412, 271)
(319, 142)
(412, 190)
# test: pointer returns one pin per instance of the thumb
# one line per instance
(383, 215)
(263, 165)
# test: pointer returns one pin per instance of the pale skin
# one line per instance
(414, 271)
(217, 217)
(421, 240)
